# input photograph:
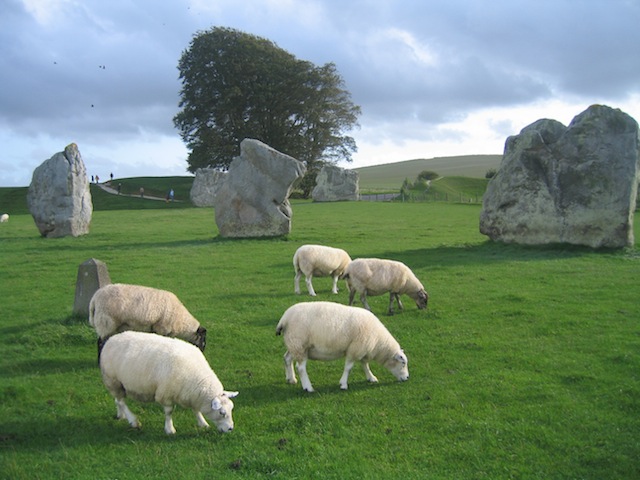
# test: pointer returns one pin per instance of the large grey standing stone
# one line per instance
(92, 275)
(253, 200)
(334, 184)
(205, 186)
(59, 198)
(575, 184)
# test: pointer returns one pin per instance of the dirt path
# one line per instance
(113, 191)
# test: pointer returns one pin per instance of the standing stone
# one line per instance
(92, 275)
(59, 198)
(334, 184)
(205, 186)
(253, 200)
(574, 185)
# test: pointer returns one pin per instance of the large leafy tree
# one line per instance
(236, 86)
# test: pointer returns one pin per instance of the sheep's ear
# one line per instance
(216, 404)
(230, 394)
(401, 357)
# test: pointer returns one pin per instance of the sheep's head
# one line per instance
(422, 298)
(398, 365)
(200, 338)
(221, 411)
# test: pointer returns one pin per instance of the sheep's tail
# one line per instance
(296, 267)
(280, 327)
(92, 312)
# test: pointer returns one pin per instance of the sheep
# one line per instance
(4, 218)
(118, 307)
(375, 276)
(320, 261)
(328, 331)
(148, 367)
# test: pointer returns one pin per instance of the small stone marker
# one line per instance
(92, 275)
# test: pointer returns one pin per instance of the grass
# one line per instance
(525, 365)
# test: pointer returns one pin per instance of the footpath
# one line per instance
(109, 189)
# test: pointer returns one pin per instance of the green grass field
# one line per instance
(526, 363)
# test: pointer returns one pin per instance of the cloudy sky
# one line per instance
(433, 78)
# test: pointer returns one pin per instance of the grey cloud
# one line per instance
(485, 55)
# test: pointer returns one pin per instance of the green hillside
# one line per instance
(392, 175)
(461, 175)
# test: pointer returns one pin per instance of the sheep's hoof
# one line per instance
(309, 390)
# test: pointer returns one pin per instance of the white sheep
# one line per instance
(148, 367)
(4, 218)
(319, 261)
(375, 276)
(118, 307)
(328, 331)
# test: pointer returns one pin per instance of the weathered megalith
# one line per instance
(58, 197)
(92, 275)
(575, 184)
(334, 184)
(253, 200)
(205, 186)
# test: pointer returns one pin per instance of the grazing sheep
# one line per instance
(149, 367)
(4, 218)
(374, 276)
(320, 261)
(328, 331)
(118, 307)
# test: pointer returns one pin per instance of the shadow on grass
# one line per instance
(58, 245)
(483, 253)
(29, 434)
(47, 366)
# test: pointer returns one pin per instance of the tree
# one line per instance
(236, 86)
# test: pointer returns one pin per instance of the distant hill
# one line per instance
(391, 175)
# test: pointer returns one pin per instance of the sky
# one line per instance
(433, 78)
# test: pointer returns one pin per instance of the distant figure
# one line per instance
(171, 195)
(92, 179)
(141, 192)
(119, 188)
(97, 179)
(112, 176)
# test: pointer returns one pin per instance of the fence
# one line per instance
(421, 197)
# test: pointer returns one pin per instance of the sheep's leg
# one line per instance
(348, 365)
(335, 284)
(288, 368)
(393, 295)
(168, 421)
(200, 419)
(296, 282)
(400, 306)
(307, 280)
(363, 299)
(367, 371)
(352, 294)
(124, 412)
(304, 377)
